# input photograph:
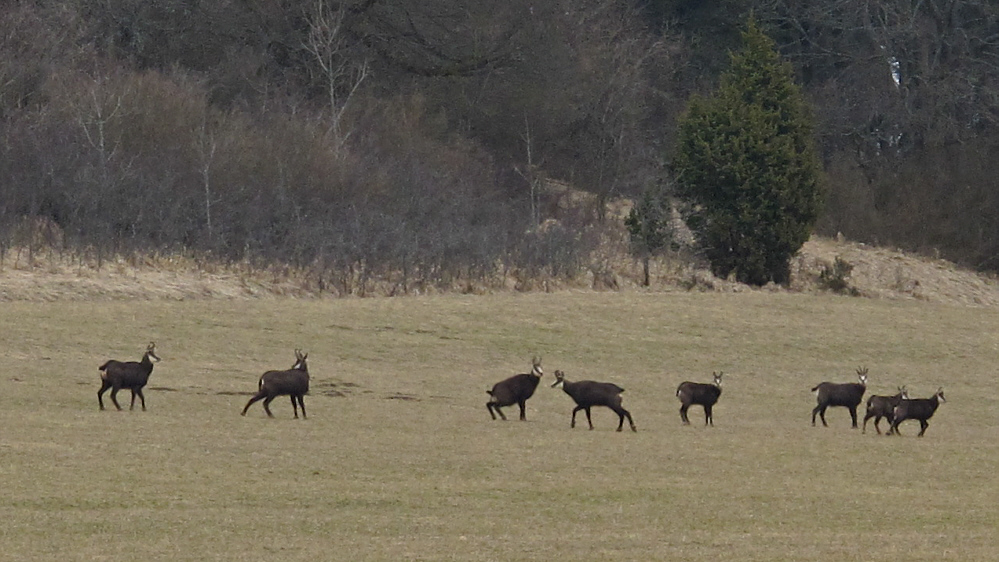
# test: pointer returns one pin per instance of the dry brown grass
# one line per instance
(877, 272)
(885, 273)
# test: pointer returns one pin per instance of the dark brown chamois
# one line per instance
(587, 394)
(132, 375)
(514, 390)
(294, 382)
(848, 395)
(883, 407)
(921, 409)
(706, 395)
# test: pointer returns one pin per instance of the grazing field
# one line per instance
(399, 459)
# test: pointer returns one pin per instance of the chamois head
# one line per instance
(862, 375)
(300, 361)
(536, 369)
(151, 352)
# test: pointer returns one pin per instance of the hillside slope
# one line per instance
(876, 273)
(884, 273)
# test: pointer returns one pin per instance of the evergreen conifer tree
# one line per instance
(747, 167)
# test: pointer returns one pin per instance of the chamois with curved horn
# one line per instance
(706, 395)
(883, 407)
(132, 375)
(847, 395)
(587, 394)
(921, 409)
(514, 390)
(294, 382)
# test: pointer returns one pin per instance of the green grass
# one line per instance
(399, 459)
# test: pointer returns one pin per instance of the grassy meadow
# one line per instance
(399, 459)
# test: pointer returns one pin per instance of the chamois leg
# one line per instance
(256, 397)
(104, 386)
(574, 410)
(523, 412)
(493, 407)
(853, 416)
(893, 430)
(267, 404)
(622, 413)
(889, 418)
(683, 414)
(588, 419)
(301, 402)
(138, 391)
(294, 405)
(114, 396)
(708, 418)
(923, 424)
(876, 420)
(821, 411)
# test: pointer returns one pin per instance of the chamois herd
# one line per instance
(294, 382)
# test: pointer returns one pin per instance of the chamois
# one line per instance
(706, 395)
(883, 407)
(294, 382)
(921, 409)
(132, 375)
(587, 394)
(514, 390)
(846, 394)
